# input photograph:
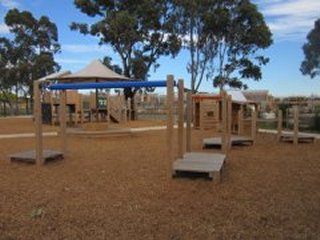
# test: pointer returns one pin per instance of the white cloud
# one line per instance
(82, 48)
(9, 4)
(4, 28)
(290, 19)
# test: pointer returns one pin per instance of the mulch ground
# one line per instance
(121, 188)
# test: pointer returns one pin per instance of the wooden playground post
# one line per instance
(77, 109)
(169, 103)
(254, 125)
(38, 122)
(224, 143)
(108, 107)
(240, 121)
(129, 109)
(189, 116)
(181, 119)
(229, 120)
(201, 127)
(295, 124)
(125, 108)
(81, 109)
(51, 107)
(63, 127)
(279, 127)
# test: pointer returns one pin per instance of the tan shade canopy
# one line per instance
(96, 71)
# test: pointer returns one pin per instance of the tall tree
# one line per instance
(311, 63)
(36, 42)
(139, 31)
(223, 37)
(7, 60)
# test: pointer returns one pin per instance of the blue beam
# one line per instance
(100, 85)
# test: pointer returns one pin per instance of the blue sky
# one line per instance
(289, 21)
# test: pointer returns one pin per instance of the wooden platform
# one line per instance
(103, 133)
(302, 138)
(30, 156)
(209, 163)
(235, 140)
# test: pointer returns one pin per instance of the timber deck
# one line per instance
(209, 163)
(302, 138)
(235, 141)
(30, 156)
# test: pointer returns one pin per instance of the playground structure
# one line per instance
(294, 137)
(81, 108)
(207, 110)
(190, 162)
(241, 131)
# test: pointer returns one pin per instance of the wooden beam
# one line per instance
(81, 109)
(279, 127)
(229, 120)
(51, 107)
(181, 119)
(189, 116)
(108, 107)
(63, 124)
(295, 124)
(224, 120)
(253, 125)
(169, 103)
(37, 113)
(240, 121)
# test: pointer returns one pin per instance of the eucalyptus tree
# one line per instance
(35, 41)
(311, 63)
(139, 31)
(224, 38)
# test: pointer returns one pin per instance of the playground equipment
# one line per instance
(294, 137)
(50, 107)
(211, 163)
(195, 162)
(235, 121)
(206, 111)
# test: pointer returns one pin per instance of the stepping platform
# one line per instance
(104, 133)
(30, 156)
(302, 138)
(235, 140)
(209, 163)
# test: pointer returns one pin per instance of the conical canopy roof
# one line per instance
(94, 72)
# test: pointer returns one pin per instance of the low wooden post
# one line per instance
(224, 143)
(63, 127)
(189, 116)
(253, 125)
(279, 127)
(37, 113)
(169, 103)
(181, 119)
(295, 124)
(229, 120)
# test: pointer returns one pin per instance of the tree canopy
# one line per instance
(311, 63)
(223, 38)
(30, 53)
(139, 31)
